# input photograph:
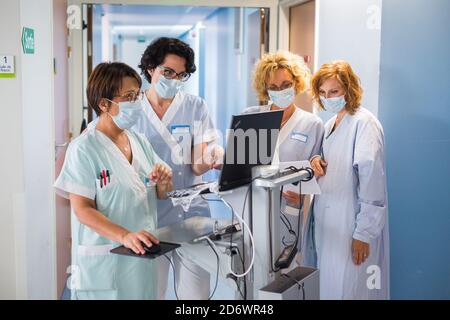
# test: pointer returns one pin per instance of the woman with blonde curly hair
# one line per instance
(278, 78)
(347, 237)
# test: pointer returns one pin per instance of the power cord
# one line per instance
(233, 276)
(286, 222)
(217, 273)
(243, 295)
(270, 233)
(213, 247)
(249, 188)
(289, 251)
(241, 220)
(300, 214)
(301, 285)
(174, 277)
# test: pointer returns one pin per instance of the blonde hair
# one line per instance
(269, 63)
(344, 74)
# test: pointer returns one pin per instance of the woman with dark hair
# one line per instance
(107, 175)
(182, 133)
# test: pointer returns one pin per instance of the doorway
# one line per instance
(80, 48)
(227, 41)
(302, 41)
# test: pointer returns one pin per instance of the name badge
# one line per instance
(180, 129)
(299, 137)
(182, 134)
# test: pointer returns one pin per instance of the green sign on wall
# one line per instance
(28, 40)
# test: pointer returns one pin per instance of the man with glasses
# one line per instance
(180, 130)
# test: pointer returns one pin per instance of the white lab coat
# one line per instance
(353, 205)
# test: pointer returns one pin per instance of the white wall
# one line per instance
(132, 51)
(11, 169)
(27, 268)
(351, 30)
(39, 157)
(228, 73)
(193, 39)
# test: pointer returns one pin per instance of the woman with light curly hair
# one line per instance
(278, 78)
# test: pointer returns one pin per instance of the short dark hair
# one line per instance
(105, 82)
(157, 51)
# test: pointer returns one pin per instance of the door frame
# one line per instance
(284, 25)
(76, 90)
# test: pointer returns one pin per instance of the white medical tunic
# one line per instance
(125, 200)
(353, 205)
(185, 124)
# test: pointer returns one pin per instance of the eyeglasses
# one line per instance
(284, 86)
(131, 96)
(171, 74)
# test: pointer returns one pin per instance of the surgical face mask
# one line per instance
(128, 115)
(333, 105)
(283, 98)
(168, 88)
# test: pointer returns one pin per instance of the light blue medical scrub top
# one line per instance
(185, 124)
(125, 200)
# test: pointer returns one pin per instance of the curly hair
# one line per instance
(344, 74)
(157, 51)
(269, 63)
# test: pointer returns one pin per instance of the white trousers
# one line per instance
(191, 281)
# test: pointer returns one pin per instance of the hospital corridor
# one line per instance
(225, 150)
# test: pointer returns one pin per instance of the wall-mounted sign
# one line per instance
(28, 42)
(7, 67)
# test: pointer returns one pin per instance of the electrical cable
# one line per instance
(270, 233)
(233, 213)
(237, 280)
(217, 273)
(251, 239)
(300, 285)
(286, 222)
(207, 199)
(213, 247)
(174, 277)
(299, 222)
(300, 214)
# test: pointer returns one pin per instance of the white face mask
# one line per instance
(283, 98)
(168, 88)
(333, 105)
(128, 115)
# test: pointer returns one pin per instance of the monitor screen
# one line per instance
(251, 141)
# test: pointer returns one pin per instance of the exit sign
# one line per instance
(28, 42)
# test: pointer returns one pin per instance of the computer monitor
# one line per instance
(251, 142)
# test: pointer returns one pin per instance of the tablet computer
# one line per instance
(165, 248)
